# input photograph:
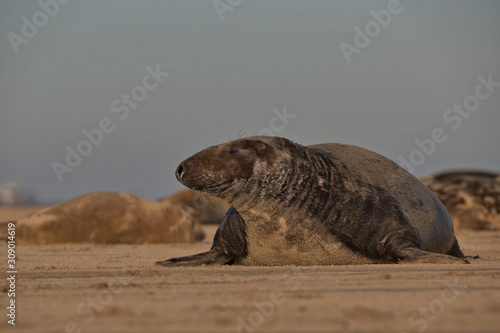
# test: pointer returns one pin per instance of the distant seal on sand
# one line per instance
(108, 217)
(205, 210)
(471, 197)
(316, 205)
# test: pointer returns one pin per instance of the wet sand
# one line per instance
(117, 288)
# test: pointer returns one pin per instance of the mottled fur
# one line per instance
(316, 205)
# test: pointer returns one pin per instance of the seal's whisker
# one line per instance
(240, 135)
(205, 199)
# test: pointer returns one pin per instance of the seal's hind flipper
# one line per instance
(229, 245)
(211, 257)
(455, 249)
(415, 255)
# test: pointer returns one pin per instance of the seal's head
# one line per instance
(219, 168)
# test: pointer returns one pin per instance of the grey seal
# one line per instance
(108, 217)
(472, 197)
(324, 204)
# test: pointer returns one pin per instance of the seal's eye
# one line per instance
(232, 151)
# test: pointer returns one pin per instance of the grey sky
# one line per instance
(229, 75)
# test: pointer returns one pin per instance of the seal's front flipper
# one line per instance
(415, 255)
(211, 257)
(229, 245)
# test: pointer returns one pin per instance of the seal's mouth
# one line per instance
(212, 188)
(188, 174)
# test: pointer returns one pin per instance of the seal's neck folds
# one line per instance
(288, 186)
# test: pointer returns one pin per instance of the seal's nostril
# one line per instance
(179, 172)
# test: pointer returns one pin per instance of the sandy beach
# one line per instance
(117, 288)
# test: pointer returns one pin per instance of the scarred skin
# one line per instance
(325, 204)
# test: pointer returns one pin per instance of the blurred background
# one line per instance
(113, 95)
